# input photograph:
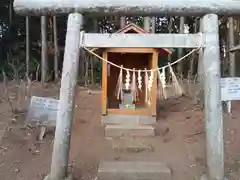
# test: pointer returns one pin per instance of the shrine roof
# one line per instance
(133, 28)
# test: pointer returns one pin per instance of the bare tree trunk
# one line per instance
(95, 25)
(200, 94)
(180, 50)
(10, 31)
(117, 21)
(153, 24)
(170, 31)
(147, 23)
(50, 45)
(194, 55)
(81, 71)
(44, 49)
(50, 37)
(200, 57)
(225, 56)
(27, 46)
(56, 49)
(232, 63)
(237, 26)
(122, 21)
(82, 60)
(237, 41)
(94, 59)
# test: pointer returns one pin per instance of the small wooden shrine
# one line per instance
(125, 92)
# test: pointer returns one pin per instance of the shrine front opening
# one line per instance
(133, 97)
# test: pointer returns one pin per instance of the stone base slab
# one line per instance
(119, 170)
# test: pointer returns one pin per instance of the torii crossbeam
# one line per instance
(129, 7)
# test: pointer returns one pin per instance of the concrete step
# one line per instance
(115, 131)
(120, 170)
(132, 145)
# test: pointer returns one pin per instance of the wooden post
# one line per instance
(56, 49)
(44, 49)
(154, 85)
(27, 46)
(104, 100)
(212, 93)
(61, 146)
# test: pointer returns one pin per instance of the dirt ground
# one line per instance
(180, 142)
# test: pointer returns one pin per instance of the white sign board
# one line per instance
(230, 88)
(43, 110)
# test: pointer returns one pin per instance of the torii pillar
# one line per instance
(61, 147)
(212, 102)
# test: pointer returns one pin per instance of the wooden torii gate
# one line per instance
(208, 39)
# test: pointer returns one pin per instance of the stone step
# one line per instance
(113, 119)
(132, 145)
(120, 170)
(119, 131)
